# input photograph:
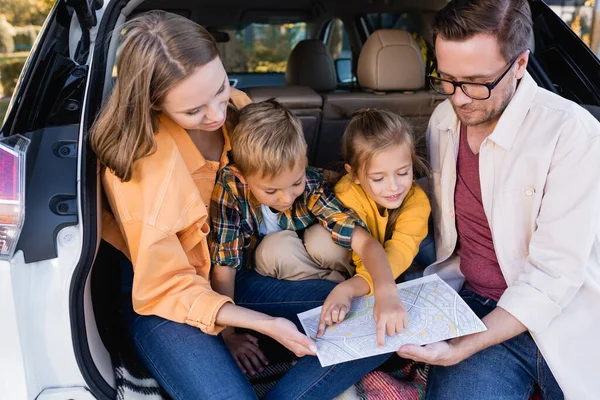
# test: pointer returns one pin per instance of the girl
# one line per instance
(161, 138)
(380, 157)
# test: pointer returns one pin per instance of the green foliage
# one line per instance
(3, 108)
(9, 74)
(261, 47)
(25, 36)
(7, 44)
(26, 12)
(22, 55)
(270, 53)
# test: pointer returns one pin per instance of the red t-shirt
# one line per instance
(475, 247)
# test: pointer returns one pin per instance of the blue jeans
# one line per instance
(190, 364)
(426, 254)
(509, 370)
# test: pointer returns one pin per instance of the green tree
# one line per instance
(260, 47)
(7, 42)
(272, 46)
(26, 12)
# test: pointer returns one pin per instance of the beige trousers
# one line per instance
(283, 255)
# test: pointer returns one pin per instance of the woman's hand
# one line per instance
(389, 313)
(335, 307)
(246, 353)
(286, 333)
(280, 329)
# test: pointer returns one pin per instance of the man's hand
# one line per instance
(501, 326)
(246, 353)
(440, 353)
(335, 307)
(389, 313)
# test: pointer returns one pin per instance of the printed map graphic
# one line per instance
(435, 313)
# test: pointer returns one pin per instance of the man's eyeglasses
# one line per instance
(476, 91)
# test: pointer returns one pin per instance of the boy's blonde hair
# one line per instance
(267, 140)
(157, 52)
(372, 131)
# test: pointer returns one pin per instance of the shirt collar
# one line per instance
(226, 147)
(509, 124)
(449, 123)
(252, 199)
(194, 160)
(506, 130)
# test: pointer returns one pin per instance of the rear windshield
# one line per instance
(260, 48)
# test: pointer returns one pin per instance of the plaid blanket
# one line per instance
(396, 379)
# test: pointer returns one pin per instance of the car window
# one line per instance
(579, 16)
(336, 41)
(403, 21)
(260, 48)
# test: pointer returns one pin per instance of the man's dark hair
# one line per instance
(508, 20)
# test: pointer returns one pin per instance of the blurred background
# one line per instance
(257, 48)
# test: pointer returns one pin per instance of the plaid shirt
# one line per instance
(236, 217)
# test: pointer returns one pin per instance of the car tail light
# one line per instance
(12, 192)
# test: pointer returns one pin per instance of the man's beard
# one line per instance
(488, 116)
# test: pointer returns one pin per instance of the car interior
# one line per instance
(344, 55)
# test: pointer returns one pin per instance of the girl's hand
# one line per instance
(246, 353)
(335, 307)
(286, 333)
(389, 313)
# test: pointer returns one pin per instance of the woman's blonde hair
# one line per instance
(370, 132)
(158, 50)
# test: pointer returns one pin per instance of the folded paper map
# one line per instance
(435, 313)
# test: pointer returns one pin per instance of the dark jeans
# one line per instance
(190, 364)
(509, 370)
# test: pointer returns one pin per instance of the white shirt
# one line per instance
(270, 221)
(541, 195)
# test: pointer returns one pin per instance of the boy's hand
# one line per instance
(389, 313)
(246, 353)
(286, 333)
(335, 307)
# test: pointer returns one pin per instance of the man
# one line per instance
(515, 203)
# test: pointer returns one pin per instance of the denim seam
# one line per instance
(540, 371)
(529, 391)
(482, 300)
(308, 390)
(151, 329)
(171, 389)
(542, 376)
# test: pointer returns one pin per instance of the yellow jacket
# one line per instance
(160, 221)
(410, 229)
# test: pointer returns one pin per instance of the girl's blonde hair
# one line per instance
(158, 50)
(370, 132)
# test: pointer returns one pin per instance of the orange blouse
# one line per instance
(160, 222)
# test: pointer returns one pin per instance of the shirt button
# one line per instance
(529, 192)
